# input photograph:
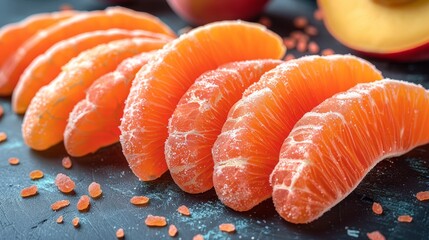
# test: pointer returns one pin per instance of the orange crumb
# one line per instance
(64, 183)
(405, 218)
(75, 222)
(29, 191)
(377, 208)
(318, 15)
(36, 174)
(66, 7)
(265, 21)
(198, 237)
(423, 195)
(227, 227)
(60, 219)
(184, 210)
(139, 200)
(83, 203)
(120, 233)
(297, 35)
(94, 190)
(290, 43)
(13, 161)
(184, 30)
(172, 230)
(311, 30)
(3, 136)
(1, 111)
(155, 221)
(313, 47)
(376, 235)
(60, 204)
(300, 22)
(66, 162)
(289, 56)
(301, 46)
(327, 52)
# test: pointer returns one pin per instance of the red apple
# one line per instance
(199, 12)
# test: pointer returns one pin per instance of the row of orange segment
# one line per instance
(217, 108)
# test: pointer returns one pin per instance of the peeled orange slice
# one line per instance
(332, 147)
(94, 121)
(161, 83)
(247, 150)
(46, 118)
(198, 119)
(114, 17)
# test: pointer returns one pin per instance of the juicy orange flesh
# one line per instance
(46, 118)
(159, 85)
(331, 148)
(47, 66)
(247, 150)
(198, 119)
(94, 121)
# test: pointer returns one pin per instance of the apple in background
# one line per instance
(199, 12)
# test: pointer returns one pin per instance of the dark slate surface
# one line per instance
(393, 182)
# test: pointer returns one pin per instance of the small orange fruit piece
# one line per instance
(36, 174)
(300, 22)
(405, 218)
(184, 210)
(83, 203)
(376, 235)
(60, 204)
(29, 191)
(227, 227)
(13, 161)
(172, 230)
(327, 52)
(75, 222)
(423, 195)
(311, 30)
(120, 233)
(64, 183)
(155, 221)
(377, 208)
(94, 190)
(60, 219)
(66, 162)
(3, 136)
(198, 237)
(139, 200)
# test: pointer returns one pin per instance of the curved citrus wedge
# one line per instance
(46, 118)
(332, 147)
(199, 117)
(161, 83)
(94, 121)
(47, 66)
(114, 17)
(248, 148)
(15, 34)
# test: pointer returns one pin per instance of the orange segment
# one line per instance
(47, 66)
(198, 120)
(247, 150)
(94, 121)
(46, 118)
(332, 147)
(114, 17)
(161, 83)
(15, 34)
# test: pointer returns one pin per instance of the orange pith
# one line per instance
(333, 146)
(160, 84)
(247, 150)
